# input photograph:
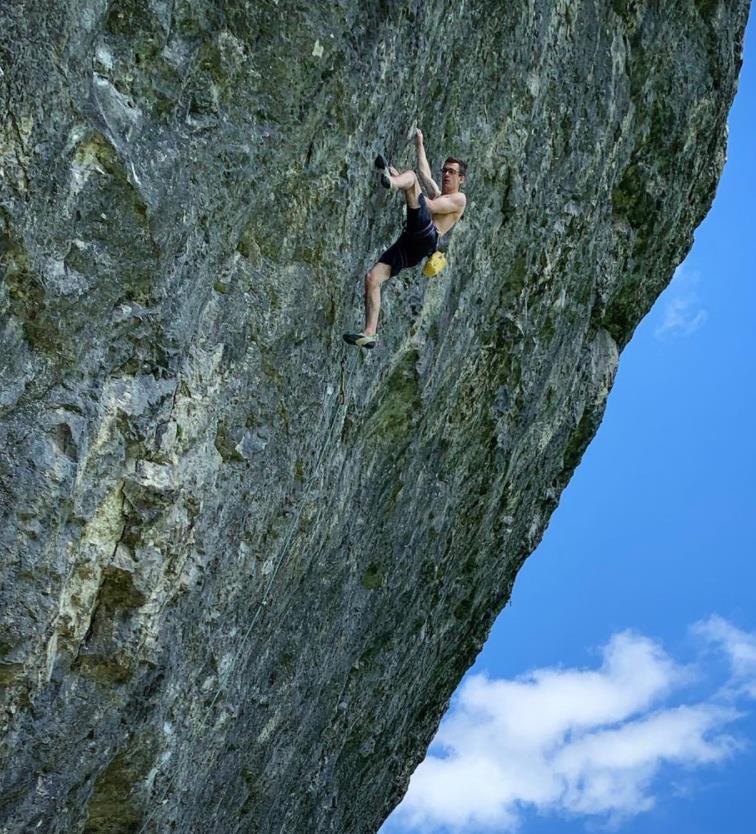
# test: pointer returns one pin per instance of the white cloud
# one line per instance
(740, 648)
(682, 313)
(587, 742)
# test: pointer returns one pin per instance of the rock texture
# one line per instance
(244, 566)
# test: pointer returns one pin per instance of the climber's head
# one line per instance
(452, 175)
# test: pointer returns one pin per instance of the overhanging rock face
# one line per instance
(244, 565)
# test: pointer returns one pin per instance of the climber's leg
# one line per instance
(408, 183)
(405, 181)
(377, 275)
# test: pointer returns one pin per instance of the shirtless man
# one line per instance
(428, 219)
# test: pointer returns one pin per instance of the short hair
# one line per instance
(462, 165)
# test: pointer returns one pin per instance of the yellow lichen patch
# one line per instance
(87, 559)
(15, 135)
(93, 155)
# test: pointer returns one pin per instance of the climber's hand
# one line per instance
(393, 171)
(419, 137)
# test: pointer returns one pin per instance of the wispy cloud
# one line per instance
(587, 742)
(682, 313)
(740, 649)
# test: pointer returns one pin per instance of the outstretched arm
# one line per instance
(423, 168)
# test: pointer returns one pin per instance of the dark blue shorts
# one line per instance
(417, 241)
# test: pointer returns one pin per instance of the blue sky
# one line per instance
(618, 688)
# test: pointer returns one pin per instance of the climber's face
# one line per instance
(451, 179)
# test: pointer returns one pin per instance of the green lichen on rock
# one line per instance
(371, 579)
(114, 806)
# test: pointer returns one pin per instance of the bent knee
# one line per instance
(414, 186)
(377, 276)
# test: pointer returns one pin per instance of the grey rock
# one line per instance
(244, 566)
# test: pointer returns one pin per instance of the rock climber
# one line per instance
(428, 220)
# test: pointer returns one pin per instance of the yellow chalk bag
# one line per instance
(435, 263)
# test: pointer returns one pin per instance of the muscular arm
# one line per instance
(423, 168)
(447, 203)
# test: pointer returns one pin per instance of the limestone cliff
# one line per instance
(244, 565)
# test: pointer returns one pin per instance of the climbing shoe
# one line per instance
(382, 166)
(360, 339)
